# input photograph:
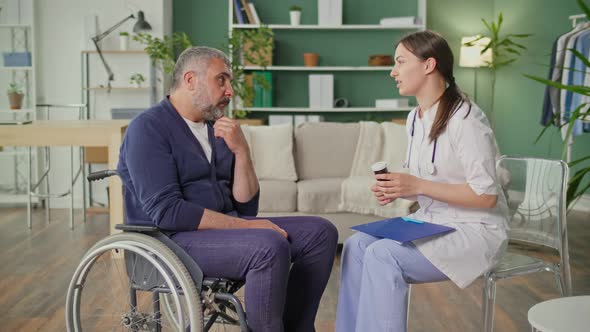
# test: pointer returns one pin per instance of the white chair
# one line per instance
(536, 192)
(563, 314)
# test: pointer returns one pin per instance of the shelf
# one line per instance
(22, 26)
(321, 68)
(331, 27)
(13, 153)
(9, 198)
(17, 111)
(115, 51)
(99, 88)
(15, 68)
(325, 110)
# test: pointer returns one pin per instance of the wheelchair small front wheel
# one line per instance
(118, 285)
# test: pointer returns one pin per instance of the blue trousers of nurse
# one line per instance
(375, 280)
(285, 279)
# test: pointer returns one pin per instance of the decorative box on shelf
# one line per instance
(17, 59)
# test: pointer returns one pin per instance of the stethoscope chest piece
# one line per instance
(430, 168)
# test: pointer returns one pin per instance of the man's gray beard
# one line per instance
(209, 111)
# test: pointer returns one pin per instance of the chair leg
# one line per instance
(559, 281)
(489, 300)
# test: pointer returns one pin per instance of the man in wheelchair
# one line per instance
(186, 168)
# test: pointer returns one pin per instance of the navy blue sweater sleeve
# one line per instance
(154, 176)
(249, 208)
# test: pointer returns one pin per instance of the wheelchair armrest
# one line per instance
(137, 228)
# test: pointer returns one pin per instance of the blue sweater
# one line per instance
(167, 178)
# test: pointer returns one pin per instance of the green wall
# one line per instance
(518, 100)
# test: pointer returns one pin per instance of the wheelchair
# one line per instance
(141, 280)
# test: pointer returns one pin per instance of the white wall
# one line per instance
(60, 38)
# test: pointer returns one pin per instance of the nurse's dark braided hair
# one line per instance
(429, 44)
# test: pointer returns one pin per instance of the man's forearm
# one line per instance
(216, 220)
(245, 181)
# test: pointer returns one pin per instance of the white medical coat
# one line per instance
(465, 153)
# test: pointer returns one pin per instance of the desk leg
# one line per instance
(115, 184)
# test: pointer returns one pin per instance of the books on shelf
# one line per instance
(263, 97)
(398, 21)
(321, 91)
(254, 13)
(330, 12)
(246, 12)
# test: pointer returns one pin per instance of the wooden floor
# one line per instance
(36, 265)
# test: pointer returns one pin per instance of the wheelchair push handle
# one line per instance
(99, 175)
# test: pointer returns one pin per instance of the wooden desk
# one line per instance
(86, 133)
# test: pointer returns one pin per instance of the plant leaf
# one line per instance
(583, 90)
(584, 8)
(575, 162)
(581, 57)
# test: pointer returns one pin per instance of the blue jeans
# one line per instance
(376, 274)
(279, 297)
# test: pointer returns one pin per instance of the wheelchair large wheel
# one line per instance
(119, 284)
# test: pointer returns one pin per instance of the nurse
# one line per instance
(451, 158)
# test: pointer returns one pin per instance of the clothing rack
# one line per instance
(577, 17)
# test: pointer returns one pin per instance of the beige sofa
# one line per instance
(302, 170)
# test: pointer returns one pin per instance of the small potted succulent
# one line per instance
(137, 79)
(123, 40)
(295, 14)
(15, 96)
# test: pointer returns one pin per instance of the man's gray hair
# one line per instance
(199, 56)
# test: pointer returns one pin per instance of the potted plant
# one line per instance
(166, 50)
(124, 40)
(15, 96)
(295, 14)
(137, 79)
(249, 47)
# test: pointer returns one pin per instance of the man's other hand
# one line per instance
(265, 223)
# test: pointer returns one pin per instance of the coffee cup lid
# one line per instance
(378, 166)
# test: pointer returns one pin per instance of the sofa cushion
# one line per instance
(271, 148)
(277, 196)
(319, 195)
(325, 149)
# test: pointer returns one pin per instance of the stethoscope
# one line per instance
(430, 167)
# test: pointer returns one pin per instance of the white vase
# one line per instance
(295, 17)
(124, 42)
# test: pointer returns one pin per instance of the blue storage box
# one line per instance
(17, 59)
(125, 113)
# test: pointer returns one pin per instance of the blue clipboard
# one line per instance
(402, 229)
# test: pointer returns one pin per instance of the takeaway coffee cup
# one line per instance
(379, 167)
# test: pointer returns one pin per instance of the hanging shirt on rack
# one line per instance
(579, 77)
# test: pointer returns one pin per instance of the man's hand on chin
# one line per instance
(232, 134)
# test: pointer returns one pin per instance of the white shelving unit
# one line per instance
(17, 34)
(333, 27)
(92, 90)
(420, 16)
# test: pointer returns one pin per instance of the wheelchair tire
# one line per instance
(140, 250)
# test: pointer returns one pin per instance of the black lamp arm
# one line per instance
(99, 37)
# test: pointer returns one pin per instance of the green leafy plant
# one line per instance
(136, 79)
(14, 88)
(575, 189)
(252, 46)
(166, 50)
(295, 8)
(124, 33)
(505, 50)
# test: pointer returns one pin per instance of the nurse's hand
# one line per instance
(395, 185)
(380, 195)
(232, 134)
